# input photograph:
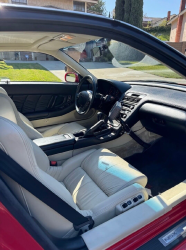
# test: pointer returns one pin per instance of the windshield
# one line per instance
(109, 59)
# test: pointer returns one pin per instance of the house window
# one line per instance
(19, 1)
(79, 6)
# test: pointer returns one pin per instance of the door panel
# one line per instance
(47, 104)
(39, 101)
(41, 106)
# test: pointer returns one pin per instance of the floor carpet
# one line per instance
(164, 164)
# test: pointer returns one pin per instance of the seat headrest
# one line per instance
(3, 91)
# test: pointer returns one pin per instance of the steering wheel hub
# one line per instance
(84, 99)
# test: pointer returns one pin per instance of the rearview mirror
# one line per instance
(97, 52)
(71, 77)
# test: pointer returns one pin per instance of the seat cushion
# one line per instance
(72, 128)
(84, 191)
(110, 172)
(99, 175)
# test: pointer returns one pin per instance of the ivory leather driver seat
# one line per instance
(27, 125)
(94, 183)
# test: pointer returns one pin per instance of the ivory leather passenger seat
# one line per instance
(96, 183)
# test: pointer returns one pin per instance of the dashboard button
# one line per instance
(135, 199)
(125, 205)
(129, 203)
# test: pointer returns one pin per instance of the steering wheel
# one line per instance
(85, 99)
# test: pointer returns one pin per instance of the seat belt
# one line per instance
(12, 169)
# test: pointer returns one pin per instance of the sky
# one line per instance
(153, 8)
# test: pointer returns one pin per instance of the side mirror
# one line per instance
(71, 77)
(97, 51)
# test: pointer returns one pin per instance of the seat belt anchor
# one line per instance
(82, 228)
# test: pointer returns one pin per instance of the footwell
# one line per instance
(164, 164)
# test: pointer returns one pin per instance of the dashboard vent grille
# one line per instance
(129, 103)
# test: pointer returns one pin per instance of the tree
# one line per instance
(119, 10)
(136, 14)
(130, 11)
(100, 8)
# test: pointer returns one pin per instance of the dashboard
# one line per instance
(161, 107)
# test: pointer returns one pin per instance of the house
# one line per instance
(178, 29)
(178, 25)
(80, 5)
(151, 21)
(156, 21)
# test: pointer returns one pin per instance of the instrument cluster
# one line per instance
(113, 91)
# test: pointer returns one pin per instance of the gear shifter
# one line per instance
(115, 111)
(101, 124)
(100, 116)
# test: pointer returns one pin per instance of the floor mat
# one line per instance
(164, 164)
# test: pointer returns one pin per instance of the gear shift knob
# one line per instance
(100, 116)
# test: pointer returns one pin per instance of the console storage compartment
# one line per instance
(56, 144)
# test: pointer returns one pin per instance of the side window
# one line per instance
(30, 67)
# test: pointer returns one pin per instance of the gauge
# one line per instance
(114, 92)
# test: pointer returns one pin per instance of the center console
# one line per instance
(106, 129)
(98, 134)
(56, 144)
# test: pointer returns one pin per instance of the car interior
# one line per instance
(112, 150)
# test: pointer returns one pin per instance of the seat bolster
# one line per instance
(3, 91)
(106, 210)
(29, 130)
(25, 120)
(71, 127)
(6, 109)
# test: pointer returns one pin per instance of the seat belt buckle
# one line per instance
(53, 163)
(85, 226)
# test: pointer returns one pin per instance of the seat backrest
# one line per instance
(9, 111)
(20, 148)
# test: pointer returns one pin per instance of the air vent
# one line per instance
(129, 103)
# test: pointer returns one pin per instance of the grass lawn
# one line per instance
(158, 70)
(127, 62)
(26, 72)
